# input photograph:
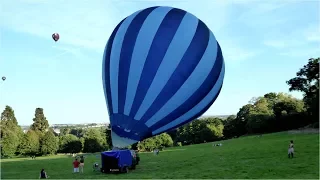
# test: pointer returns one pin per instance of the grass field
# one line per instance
(248, 157)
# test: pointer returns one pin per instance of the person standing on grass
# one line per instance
(43, 175)
(76, 164)
(81, 163)
(290, 150)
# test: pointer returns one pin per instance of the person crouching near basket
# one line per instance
(81, 163)
(290, 150)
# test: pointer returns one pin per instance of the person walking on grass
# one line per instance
(43, 174)
(76, 164)
(290, 150)
(81, 163)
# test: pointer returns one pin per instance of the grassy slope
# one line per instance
(248, 157)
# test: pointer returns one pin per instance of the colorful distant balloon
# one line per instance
(3, 78)
(55, 36)
(162, 68)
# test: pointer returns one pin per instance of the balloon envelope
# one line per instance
(3, 78)
(55, 36)
(162, 68)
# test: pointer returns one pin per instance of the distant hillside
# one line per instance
(216, 116)
(58, 126)
(81, 125)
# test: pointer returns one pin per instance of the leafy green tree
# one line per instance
(288, 106)
(74, 146)
(230, 128)
(54, 133)
(66, 144)
(49, 143)
(307, 81)
(166, 140)
(108, 138)
(8, 119)
(94, 137)
(11, 133)
(199, 131)
(77, 132)
(146, 145)
(260, 123)
(8, 143)
(157, 142)
(237, 126)
(65, 131)
(92, 145)
(40, 122)
(93, 133)
(30, 144)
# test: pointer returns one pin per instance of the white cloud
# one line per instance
(312, 33)
(275, 43)
(302, 52)
(89, 23)
(284, 42)
(235, 52)
(301, 43)
(66, 49)
(75, 23)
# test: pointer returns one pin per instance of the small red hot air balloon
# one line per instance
(55, 37)
(3, 78)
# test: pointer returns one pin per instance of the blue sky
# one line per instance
(264, 43)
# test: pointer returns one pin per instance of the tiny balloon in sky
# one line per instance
(55, 37)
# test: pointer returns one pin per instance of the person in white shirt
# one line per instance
(290, 150)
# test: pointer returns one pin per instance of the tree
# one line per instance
(92, 145)
(51, 130)
(94, 137)
(30, 144)
(157, 142)
(49, 143)
(77, 132)
(75, 146)
(240, 122)
(40, 122)
(199, 131)
(288, 106)
(260, 123)
(108, 138)
(8, 119)
(9, 143)
(261, 106)
(166, 140)
(65, 131)
(11, 133)
(230, 128)
(307, 81)
(69, 144)
(93, 133)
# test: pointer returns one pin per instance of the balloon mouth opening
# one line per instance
(121, 142)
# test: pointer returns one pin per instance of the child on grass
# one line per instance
(76, 164)
(43, 175)
(290, 150)
(81, 163)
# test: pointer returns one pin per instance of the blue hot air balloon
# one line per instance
(162, 68)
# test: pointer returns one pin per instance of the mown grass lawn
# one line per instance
(248, 157)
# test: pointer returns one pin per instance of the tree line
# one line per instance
(271, 112)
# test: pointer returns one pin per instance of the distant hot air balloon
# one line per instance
(55, 37)
(162, 68)
(3, 78)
